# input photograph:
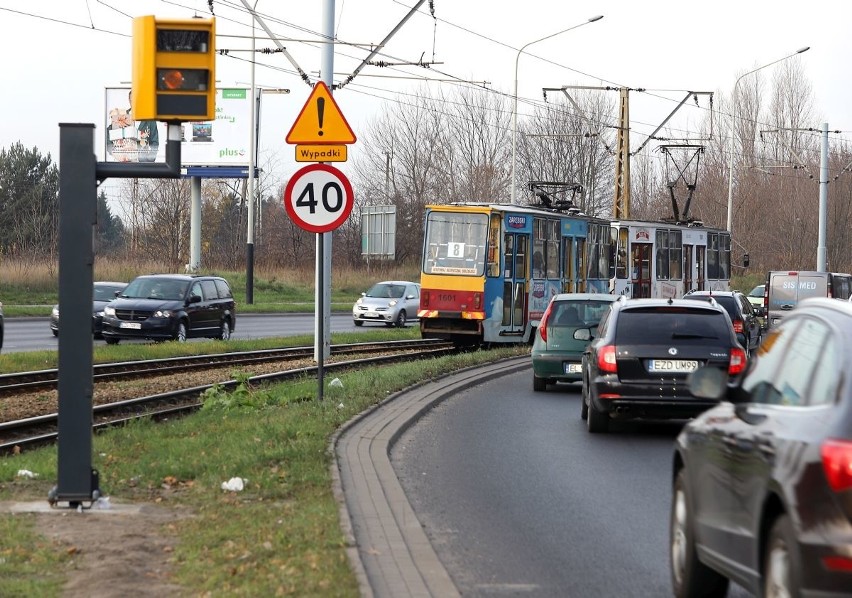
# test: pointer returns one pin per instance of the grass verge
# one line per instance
(281, 536)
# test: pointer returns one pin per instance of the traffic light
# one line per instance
(174, 69)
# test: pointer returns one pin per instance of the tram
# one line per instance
(489, 270)
(660, 259)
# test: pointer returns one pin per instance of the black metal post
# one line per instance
(78, 482)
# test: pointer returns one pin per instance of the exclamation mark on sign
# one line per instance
(320, 111)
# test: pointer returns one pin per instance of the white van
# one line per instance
(785, 289)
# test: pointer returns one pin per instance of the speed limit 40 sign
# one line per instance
(318, 198)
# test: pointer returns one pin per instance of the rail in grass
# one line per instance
(489, 270)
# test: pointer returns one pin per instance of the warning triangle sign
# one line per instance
(321, 121)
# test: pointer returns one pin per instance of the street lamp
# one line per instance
(515, 111)
(731, 133)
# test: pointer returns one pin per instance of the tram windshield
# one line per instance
(455, 243)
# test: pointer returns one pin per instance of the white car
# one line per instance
(392, 302)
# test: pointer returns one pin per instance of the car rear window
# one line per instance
(687, 326)
(578, 312)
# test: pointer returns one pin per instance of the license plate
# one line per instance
(371, 314)
(672, 365)
(131, 325)
(573, 368)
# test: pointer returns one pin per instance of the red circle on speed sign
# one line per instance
(318, 198)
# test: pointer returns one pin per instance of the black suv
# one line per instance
(743, 317)
(638, 366)
(171, 307)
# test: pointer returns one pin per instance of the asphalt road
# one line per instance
(517, 498)
(33, 334)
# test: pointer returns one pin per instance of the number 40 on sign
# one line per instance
(318, 198)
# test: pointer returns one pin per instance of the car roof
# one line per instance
(110, 284)
(688, 303)
(179, 276)
(713, 293)
(584, 297)
(396, 282)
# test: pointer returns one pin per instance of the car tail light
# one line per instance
(838, 563)
(837, 464)
(606, 360)
(737, 362)
(542, 326)
(738, 326)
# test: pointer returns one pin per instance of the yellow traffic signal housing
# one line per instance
(174, 69)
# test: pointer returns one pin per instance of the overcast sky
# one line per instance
(59, 55)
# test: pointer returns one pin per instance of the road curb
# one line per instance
(386, 544)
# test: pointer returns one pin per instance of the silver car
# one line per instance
(392, 302)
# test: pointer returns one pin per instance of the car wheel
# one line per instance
(401, 319)
(539, 384)
(690, 577)
(55, 332)
(584, 405)
(225, 331)
(111, 341)
(358, 322)
(596, 421)
(781, 563)
(181, 332)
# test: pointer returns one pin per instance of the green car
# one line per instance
(557, 356)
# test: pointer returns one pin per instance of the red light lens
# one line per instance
(738, 326)
(737, 362)
(837, 464)
(606, 360)
(172, 79)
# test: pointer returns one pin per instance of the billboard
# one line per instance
(378, 232)
(223, 141)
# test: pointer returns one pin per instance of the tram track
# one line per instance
(124, 393)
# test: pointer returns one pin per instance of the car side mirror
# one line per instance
(583, 334)
(708, 383)
(759, 311)
(195, 299)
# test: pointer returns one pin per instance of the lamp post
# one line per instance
(515, 110)
(731, 133)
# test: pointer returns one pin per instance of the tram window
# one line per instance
(551, 256)
(521, 257)
(675, 254)
(621, 264)
(662, 254)
(494, 246)
(713, 256)
(724, 256)
(539, 241)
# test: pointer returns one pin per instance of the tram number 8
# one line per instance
(306, 199)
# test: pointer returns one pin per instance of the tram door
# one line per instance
(569, 269)
(700, 252)
(515, 260)
(687, 268)
(640, 259)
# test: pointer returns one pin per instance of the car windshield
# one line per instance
(106, 293)
(155, 288)
(384, 290)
